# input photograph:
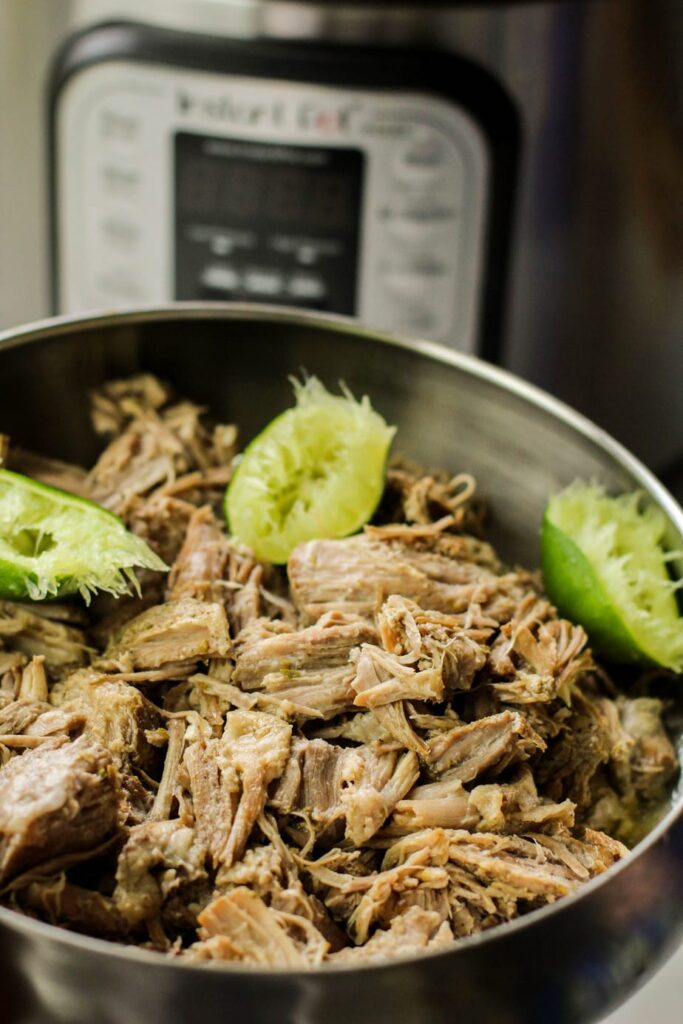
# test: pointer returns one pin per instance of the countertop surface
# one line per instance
(660, 1001)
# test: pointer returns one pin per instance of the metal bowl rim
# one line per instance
(54, 327)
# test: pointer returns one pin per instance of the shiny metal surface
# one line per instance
(595, 301)
(568, 964)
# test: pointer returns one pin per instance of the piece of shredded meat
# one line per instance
(389, 744)
(177, 632)
(55, 799)
(409, 933)
(239, 926)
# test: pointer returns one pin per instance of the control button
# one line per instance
(119, 232)
(407, 283)
(220, 278)
(263, 282)
(305, 287)
(414, 319)
(414, 280)
(120, 182)
(423, 159)
(117, 126)
(120, 284)
(420, 220)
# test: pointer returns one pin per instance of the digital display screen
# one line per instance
(240, 191)
(269, 197)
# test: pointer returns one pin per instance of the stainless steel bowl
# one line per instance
(568, 963)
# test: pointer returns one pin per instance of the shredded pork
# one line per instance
(390, 744)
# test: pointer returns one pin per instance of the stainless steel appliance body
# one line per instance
(502, 177)
(567, 964)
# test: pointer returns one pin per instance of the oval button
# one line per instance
(415, 279)
(421, 220)
(423, 159)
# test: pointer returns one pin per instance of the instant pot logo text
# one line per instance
(304, 114)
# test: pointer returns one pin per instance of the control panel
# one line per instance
(267, 221)
(176, 183)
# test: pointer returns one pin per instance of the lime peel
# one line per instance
(53, 543)
(316, 470)
(604, 566)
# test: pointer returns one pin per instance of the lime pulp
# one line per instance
(316, 471)
(604, 566)
(53, 543)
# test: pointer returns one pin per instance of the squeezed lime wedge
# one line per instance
(53, 543)
(604, 567)
(316, 471)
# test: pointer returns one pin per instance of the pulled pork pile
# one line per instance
(393, 744)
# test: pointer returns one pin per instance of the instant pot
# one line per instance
(504, 178)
